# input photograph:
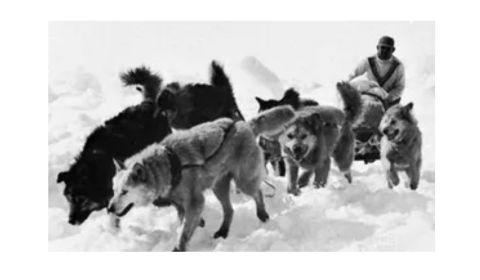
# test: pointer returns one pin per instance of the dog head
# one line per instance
(88, 185)
(313, 127)
(396, 122)
(291, 97)
(141, 182)
(298, 140)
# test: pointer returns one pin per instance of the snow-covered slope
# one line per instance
(362, 216)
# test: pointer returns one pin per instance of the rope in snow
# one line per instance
(271, 185)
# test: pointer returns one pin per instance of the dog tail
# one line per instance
(272, 121)
(351, 100)
(148, 83)
(219, 79)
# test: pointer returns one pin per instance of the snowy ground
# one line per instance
(363, 216)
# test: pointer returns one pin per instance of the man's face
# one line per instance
(385, 52)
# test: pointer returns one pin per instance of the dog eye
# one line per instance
(290, 136)
(123, 192)
(303, 136)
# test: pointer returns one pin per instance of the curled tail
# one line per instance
(219, 79)
(150, 82)
(272, 121)
(352, 101)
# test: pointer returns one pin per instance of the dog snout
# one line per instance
(111, 208)
(71, 220)
(297, 149)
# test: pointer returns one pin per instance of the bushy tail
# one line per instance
(218, 78)
(352, 101)
(144, 77)
(272, 121)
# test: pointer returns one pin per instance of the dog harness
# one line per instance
(176, 165)
(272, 147)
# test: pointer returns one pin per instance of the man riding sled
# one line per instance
(381, 80)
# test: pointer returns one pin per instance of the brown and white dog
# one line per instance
(401, 145)
(319, 133)
(270, 145)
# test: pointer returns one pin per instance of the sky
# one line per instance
(312, 50)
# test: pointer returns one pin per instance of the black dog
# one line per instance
(89, 180)
(271, 147)
(192, 104)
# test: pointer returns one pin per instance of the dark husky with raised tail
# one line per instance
(192, 104)
(89, 179)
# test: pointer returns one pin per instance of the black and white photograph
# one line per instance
(249, 136)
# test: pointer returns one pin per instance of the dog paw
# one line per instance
(348, 176)
(319, 185)
(263, 216)
(294, 191)
(222, 232)
(176, 249)
(413, 187)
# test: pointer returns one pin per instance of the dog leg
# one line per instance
(392, 177)
(251, 187)
(192, 220)
(292, 177)
(321, 174)
(281, 167)
(413, 173)
(348, 176)
(222, 192)
(305, 178)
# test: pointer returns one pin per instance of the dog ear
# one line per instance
(62, 176)
(407, 108)
(118, 165)
(260, 101)
(139, 173)
(407, 112)
(314, 122)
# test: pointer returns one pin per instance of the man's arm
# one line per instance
(361, 68)
(398, 86)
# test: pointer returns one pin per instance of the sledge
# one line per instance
(367, 134)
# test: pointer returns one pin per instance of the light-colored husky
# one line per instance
(186, 163)
(401, 145)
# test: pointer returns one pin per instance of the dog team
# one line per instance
(185, 138)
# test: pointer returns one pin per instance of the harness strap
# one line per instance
(382, 80)
(176, 165)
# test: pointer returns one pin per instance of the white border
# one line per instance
(25, 126)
